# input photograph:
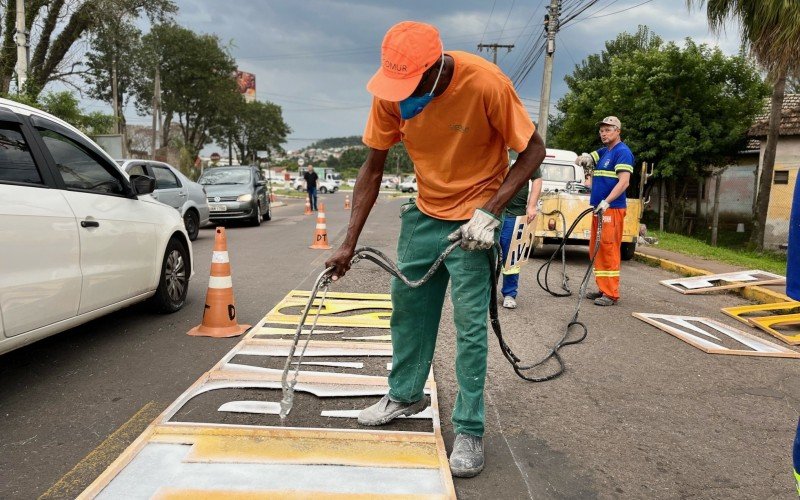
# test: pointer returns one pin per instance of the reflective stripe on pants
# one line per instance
(607, 262)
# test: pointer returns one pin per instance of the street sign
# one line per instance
(301, 162)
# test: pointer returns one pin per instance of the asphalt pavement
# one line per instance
(638, 413)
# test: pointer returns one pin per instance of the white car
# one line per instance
(80, 238)
(176, 190)
(409, 186)
(324, 186)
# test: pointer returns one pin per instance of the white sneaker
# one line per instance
(509, 302)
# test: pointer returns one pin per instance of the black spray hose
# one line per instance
(573, 324)
(495, 259)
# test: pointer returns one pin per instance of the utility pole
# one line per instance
(22, 47)
(114, 92)
(493, 47)
(551, 23)
(156, 112)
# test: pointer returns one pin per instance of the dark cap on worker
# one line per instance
(610, 120)
(409, 48)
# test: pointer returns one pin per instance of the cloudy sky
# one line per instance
(314, 57)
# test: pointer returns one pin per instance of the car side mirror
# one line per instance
(143, 184)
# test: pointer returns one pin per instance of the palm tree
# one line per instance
(771, 29)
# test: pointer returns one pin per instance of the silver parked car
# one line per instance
(237, 193)
(176, 190)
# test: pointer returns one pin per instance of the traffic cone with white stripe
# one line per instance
(347, 202)
(308, 207)
(219, 315)
(321, 233)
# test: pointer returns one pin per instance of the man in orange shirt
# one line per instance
(459, 148)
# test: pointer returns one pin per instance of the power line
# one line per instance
(611, 13)
(488, 21)
(533, 14)
(292, 55)
(561, 39)
(506, 21)
(578, 11)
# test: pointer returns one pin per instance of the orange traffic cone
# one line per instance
(219, 315)
(321, 233)
(347, 202)
(272, 198)
(308, 207)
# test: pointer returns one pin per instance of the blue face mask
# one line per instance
(412, 106)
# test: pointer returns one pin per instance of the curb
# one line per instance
(757, 294)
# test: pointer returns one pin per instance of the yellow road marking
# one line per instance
(342, 295)
(74, 481)
(293, 450)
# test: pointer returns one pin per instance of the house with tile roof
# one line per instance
(787, 163)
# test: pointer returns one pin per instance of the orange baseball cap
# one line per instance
(408, 50)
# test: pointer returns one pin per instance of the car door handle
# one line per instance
(90, 223)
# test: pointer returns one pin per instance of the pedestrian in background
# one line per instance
(312, 182)
(521, 204)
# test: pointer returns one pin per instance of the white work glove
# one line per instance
(585, 160)
(601, 207)
(478, 233)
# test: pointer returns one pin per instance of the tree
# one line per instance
(55, 27)
(64, 105)
(198, 85)
(252, 127)
(351, 160)
(684, 109)
(398, 162)
(599, 65)
(771, 29)
(115, 45)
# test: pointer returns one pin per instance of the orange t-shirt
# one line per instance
(459, 142)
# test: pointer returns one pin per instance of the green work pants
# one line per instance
(416, 313)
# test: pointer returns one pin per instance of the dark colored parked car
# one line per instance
(236, 193)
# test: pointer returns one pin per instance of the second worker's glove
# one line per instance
(601, 207)
(478, 233)
(585, 160)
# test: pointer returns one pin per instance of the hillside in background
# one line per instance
(337, 142)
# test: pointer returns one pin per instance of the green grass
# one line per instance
(767, 261)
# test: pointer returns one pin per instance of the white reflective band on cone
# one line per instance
(220, 282)
(321, 226)
(220, 258)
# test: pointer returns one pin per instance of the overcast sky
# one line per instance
(314, 57)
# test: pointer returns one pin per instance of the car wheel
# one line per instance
(173, 284)
(268, 214)
(627, 250)
(255, 219)
(192, 223)
(323, 190)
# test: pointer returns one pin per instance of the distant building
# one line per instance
(787, 162)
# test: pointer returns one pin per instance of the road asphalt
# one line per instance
(638, 413)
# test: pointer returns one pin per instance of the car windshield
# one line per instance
(219, 176)
(557, 172)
